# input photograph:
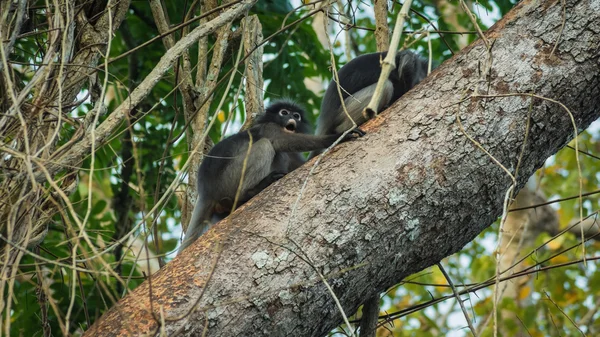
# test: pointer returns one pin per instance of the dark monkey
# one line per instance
(279, 136)
(357, 81)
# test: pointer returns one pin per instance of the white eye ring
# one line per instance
(283, 112)
(297, 116)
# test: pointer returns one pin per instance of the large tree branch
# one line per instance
(411, 192)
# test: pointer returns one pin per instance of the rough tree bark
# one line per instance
(411, 192)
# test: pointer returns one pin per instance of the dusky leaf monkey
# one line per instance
(279, 136)
(357, 81)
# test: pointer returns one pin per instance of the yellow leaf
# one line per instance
(556, 243)
(221, 116)
(571, 297)
(536, 333)
(559, 259)
(524, 292)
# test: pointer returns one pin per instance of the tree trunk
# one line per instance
(413, 190)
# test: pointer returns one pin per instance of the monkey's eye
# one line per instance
(283, 112)
(297, 116)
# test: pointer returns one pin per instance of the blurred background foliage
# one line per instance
(547, 306)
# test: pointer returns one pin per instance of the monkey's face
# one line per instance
(288, 115)
(290, 120)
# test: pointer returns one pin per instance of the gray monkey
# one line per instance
(279, 136)
(358, 79)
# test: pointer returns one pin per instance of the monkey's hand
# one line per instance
(353, 134)
(273, 177)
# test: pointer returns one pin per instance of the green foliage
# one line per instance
(160, 149)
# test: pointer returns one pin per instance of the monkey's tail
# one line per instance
(199, 223)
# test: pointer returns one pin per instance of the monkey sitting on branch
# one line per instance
(242, 165)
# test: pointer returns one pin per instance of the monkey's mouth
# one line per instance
(290, 126)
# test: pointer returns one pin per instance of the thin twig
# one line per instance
(390, 317)
(458, 299)
(564, 314)
(553, 201)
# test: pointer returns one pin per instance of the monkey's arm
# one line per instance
(297, 142)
